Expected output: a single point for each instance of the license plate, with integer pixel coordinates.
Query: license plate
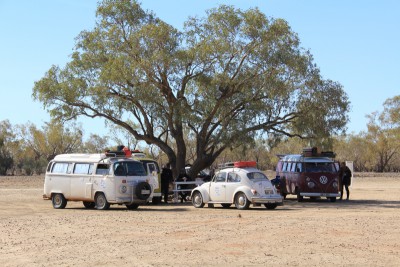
(268, 192)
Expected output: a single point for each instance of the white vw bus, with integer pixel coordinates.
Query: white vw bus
(97, 180)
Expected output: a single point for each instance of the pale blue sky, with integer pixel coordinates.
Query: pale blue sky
(354, 42)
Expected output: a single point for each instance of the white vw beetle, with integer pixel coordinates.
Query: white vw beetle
(240, 184)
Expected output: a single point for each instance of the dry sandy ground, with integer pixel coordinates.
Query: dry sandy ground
(364, 231)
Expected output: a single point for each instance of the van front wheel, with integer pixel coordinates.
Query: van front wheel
(299, 197)
(59, 201)
(132, 206)
(89, 205)
(101, 202)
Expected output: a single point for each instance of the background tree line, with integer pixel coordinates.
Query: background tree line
(26, 149)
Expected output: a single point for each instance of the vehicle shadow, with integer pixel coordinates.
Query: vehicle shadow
(165, 207)
(350, 204)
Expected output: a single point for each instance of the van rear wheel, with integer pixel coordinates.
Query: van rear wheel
(101, 202)
(89, 205)
(58, 200)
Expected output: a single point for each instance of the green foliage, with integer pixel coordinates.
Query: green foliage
(6, 139)
(222, 80)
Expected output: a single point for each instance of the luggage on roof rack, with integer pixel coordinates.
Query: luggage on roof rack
(244, 164)
(315, 152)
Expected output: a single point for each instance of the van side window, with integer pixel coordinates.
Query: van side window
(299, 167)
(83, 168)
(289, 166)
(284, 166)
(119, 169)
(102, 169)
(60, 167)
(294, 164)
(152, 168)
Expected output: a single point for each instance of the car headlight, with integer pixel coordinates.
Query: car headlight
(123, 189)
(310, 184)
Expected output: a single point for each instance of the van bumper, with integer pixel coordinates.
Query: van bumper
(319, 194)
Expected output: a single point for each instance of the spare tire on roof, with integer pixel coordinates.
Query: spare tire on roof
(143, 190)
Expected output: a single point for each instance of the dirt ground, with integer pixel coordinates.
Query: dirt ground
(364, 231)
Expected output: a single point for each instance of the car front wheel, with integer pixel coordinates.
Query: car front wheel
(197, 200)
(241, 201)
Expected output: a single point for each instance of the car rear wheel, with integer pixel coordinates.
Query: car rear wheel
(132, 206)
(197, 200)
(241, 201)
(270, 206)
(58, 200)
(101, 202)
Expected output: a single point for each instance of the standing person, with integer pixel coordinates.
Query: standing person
(166, 178)
(183, 177)
(345, 180)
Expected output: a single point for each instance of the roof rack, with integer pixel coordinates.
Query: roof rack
(315, 152)
(238, 164)
(115, 154)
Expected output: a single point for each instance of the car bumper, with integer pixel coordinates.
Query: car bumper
(264, 200)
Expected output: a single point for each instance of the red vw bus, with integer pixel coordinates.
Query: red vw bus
(310, 174)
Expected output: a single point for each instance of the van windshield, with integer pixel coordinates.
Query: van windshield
(129, 168)
(319, 167)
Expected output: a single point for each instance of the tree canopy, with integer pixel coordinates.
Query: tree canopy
(219, 82)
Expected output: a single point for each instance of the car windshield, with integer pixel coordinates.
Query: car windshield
(256, 176)
(319, 167)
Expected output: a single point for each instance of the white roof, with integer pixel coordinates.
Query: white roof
(88, 158)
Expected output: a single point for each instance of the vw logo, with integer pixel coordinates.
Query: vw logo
(323, 179)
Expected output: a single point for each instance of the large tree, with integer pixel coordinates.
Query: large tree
(219, 81)
(384, 135)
